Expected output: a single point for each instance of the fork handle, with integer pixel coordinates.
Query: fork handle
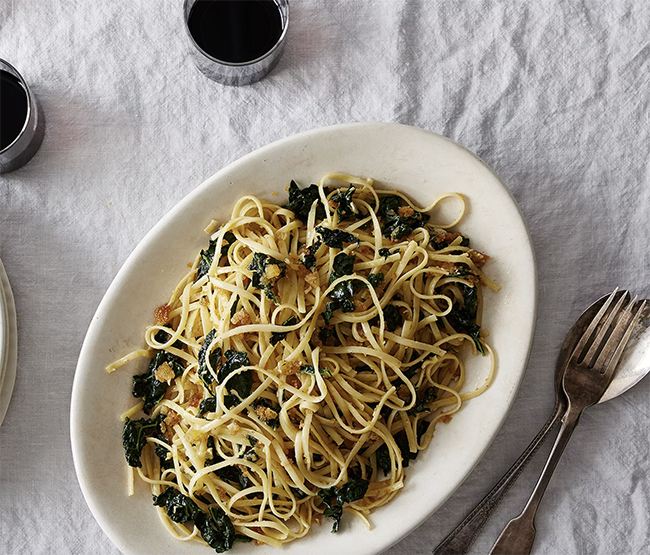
(463, 536)
(519, 534)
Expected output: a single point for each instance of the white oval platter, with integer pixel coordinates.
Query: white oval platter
(417, 162)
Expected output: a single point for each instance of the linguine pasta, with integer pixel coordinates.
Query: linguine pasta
(303, 361)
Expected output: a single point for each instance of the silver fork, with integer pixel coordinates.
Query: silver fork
(588, 373)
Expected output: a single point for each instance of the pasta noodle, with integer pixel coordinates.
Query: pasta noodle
(303, 361)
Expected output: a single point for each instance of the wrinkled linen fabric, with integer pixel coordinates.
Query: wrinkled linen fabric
(554, 95)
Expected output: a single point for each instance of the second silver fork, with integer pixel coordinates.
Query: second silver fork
(589, 372)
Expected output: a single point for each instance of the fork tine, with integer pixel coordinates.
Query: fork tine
(611, 322)
(620, 336)
(595, 324)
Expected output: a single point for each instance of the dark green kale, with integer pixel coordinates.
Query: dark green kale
(424, 402)
(398, 221)
(215, 526)
(214, 358)
(308, 259)
(262, 277)
(382, 456)
(231, 473)
(278, 336)
(207, 255)
(384, 252)
(392, 318)
(463, 319)
(309, 369)
(330, 307)
(334, 499)
(335, 237)
(344, 207)
(134, 437)
(464, 272)
(343, 265)
(298, 493)
(148, 387)
(374, 279)
(242, 382)
(233, 308)
(327, 332)
(251, 455)
(301, 201)
(258, 406)
(208, 405)
(441, 239)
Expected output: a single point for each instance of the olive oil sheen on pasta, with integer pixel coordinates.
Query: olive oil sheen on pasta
(235, 31)
(13, 108)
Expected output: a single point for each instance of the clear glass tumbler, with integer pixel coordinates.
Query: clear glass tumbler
(28, 139)
(240, 72)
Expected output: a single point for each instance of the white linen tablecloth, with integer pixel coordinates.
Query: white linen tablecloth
(554, 95)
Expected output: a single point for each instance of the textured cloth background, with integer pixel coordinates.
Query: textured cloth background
(552, 94)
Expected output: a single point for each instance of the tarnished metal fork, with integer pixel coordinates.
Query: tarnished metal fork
(588, 373)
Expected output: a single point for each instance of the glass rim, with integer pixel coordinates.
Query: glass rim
(13, 71)
(285, 26)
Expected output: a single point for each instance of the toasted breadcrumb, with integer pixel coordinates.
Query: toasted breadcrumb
(478, 257)
(405, 211)
(161, 314)
(312, 279)
(403, 392)
(445, 419)
(164, 373)
(294, 381)
(272, 272)
(288, 367)
(241, 318)
(195, 399)
(266, 413)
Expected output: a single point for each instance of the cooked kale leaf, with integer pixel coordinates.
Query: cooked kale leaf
(208, 405)
(207, 255)
(334, 499)
(441, 240)
(343, 265)
(423, 404)
(384, 252)
(398, 221)
(335, 237)
(278, 336)
(344, 207)
(231, 473)
(342, 293)
(463, 319)
(215, 527)
(242, 382)
(134, 437)
(308, 259)
(309, 369)
(392, 318)
(264, 277)
(214, 358)
(374, 279)
(382, 457)
(148, 387)
(301, 201)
